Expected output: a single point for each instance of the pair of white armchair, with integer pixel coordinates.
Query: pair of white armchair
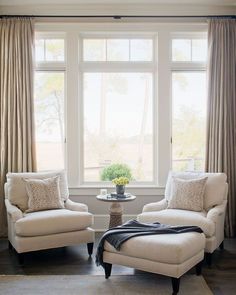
(45, 229)
(210, 220)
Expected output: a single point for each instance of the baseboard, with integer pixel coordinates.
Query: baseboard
(101, 222)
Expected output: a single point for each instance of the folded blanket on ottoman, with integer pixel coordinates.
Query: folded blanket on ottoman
(116, 236)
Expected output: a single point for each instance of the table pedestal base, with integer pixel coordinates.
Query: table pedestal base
(116, 211)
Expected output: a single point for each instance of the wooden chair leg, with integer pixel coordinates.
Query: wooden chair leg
(107, 267)
(21, 258)
(10, 245)
(222, 246)
(199, 268)
(90, 248)
(209, 259)
(175, 285)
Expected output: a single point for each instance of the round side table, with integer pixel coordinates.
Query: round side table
(116, 208)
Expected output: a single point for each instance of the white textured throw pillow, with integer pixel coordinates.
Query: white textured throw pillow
(43, 194)
(17, 190)
(187, 194)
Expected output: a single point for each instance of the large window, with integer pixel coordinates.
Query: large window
(49, 103)
(188, 103)
(130, 94)
(118, 107)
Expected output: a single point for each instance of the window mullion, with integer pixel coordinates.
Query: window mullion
(164, 106)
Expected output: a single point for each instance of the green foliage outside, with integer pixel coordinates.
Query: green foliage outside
(114, 171)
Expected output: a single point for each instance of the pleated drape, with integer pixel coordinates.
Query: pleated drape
(221, 122)
(17, 141)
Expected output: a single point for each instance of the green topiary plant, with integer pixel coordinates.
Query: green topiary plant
(116, 170)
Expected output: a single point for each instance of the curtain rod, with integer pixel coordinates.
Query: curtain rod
(121, 16)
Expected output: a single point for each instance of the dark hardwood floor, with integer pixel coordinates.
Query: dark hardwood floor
(74, 260)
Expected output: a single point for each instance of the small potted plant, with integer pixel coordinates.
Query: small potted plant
(120, 183)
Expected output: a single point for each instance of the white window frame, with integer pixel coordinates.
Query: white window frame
(119, 67)
(162, 102)
(53, 67)
(185, 66)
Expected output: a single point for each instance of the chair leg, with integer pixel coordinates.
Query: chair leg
(222, 246)
(90, 248)
(107, 267)
(175, 285)
(199, 268)
(21, 258)
(10, 245)
(209, 259)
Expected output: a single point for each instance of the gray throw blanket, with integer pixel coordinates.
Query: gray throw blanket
(116, 236)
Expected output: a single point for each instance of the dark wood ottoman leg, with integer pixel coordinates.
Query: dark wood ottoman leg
(90, 248)
(175, 285)
(107, 267)
(222, 246)
(199, 268)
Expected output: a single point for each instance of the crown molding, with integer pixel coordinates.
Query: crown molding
(118, 9)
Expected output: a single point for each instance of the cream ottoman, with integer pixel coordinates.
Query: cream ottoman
(167, 254)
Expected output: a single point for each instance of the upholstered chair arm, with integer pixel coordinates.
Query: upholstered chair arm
(157, 206)
(73, 206)
(214, 213)
(13, 211)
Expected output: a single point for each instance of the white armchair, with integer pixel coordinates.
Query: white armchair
(210, 220)
(45, 229)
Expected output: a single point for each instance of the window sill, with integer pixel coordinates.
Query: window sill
(144, 190)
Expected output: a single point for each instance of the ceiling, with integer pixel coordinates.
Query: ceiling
(70, 2)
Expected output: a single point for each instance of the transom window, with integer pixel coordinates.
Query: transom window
(189, 50)
(114, 49)
(49, 49)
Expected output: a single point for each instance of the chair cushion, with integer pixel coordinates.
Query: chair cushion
(17, 194)
(166, 248)
(180, 217)
(214, 193)
(50, 222)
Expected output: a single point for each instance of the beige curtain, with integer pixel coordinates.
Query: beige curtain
(221, 124)
(16, 102)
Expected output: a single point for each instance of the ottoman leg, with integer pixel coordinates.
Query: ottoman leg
(90, 248)
(222, 246)
(199, 268)
(175, 285)
(107, 267)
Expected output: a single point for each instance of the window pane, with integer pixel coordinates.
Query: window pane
(199, 49)
(118, 123)
(181, 50)
(117, 50)
(54, 49)
(39, 49)
(188, 120)
(141, 49)
(94, 49)
(49, 118)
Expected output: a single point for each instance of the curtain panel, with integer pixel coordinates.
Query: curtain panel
(221, 121)
(17, 142)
